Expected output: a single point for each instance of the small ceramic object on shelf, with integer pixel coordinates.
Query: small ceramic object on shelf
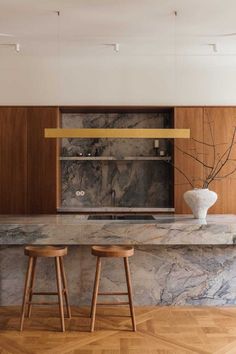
(156, 146)
(162, 153)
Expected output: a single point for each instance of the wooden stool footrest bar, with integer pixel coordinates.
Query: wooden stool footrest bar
(47, 293)
(42, 303)
(114, 293)
(113, 303)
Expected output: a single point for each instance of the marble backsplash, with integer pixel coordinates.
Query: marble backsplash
(141, 184)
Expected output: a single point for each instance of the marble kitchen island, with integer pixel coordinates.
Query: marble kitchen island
(178, 260)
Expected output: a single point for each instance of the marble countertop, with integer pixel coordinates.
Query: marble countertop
(73, 219)
(75, 229)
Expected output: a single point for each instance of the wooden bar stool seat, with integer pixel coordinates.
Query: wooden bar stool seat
(45, 251)
(112, 252)
(33, 252)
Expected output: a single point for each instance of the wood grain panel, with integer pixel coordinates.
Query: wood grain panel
(223, 121)
(192, 118)
(42, 160)
(13, 160)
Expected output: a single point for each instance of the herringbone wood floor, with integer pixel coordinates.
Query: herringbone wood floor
(161, 330)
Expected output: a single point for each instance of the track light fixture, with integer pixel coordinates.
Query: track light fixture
(214, 47)
(116, 46)
(15, 45)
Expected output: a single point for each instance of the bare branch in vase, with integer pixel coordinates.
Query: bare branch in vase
(219, 161)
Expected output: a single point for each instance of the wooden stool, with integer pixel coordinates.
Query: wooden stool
(113, 252)
(46, 252)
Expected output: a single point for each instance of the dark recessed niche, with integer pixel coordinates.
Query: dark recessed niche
(116, 173)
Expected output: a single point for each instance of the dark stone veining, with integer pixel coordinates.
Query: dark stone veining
(141, 184)
(161, 275)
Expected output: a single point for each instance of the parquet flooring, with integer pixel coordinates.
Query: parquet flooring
(160, 330)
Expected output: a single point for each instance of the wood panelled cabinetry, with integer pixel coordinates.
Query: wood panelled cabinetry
(191, 118)
(42, 160)
(13, 160)
(223, 121)
(27, 160)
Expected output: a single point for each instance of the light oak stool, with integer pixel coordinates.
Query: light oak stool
(45, 252)
(112, 252)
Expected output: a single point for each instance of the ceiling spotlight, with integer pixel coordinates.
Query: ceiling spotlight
(214, 47)
(117, 47)
(15, 45)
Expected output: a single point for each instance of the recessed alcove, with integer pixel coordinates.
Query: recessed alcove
(120, 174)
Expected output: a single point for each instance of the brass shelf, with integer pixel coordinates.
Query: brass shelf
(124, 133)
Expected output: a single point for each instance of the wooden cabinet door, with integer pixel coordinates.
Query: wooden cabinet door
(13, 160)
(42, 160)
(187, 117)
(223, 122)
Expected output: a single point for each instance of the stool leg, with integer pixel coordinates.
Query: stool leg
(59, 290)
(95, 293)
(94, 288)
(31, 286)
(26, 292)
(65, 286)
(129, 287)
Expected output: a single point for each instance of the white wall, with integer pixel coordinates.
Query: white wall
(117, 80)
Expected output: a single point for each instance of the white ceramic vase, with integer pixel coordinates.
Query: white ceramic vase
(200, 200)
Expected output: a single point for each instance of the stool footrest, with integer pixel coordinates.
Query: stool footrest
(114, 293)
(47, 293)
(112, 303)
(42, 303)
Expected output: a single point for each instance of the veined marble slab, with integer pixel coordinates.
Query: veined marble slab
(163, 275)
(137, 183)
(78, 230)
(178, 260)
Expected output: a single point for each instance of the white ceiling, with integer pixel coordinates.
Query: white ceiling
(142, 27)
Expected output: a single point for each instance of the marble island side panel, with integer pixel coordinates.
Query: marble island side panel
(161, 275)
(177, 261)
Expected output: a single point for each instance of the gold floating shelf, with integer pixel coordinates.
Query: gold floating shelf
(117, 133)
